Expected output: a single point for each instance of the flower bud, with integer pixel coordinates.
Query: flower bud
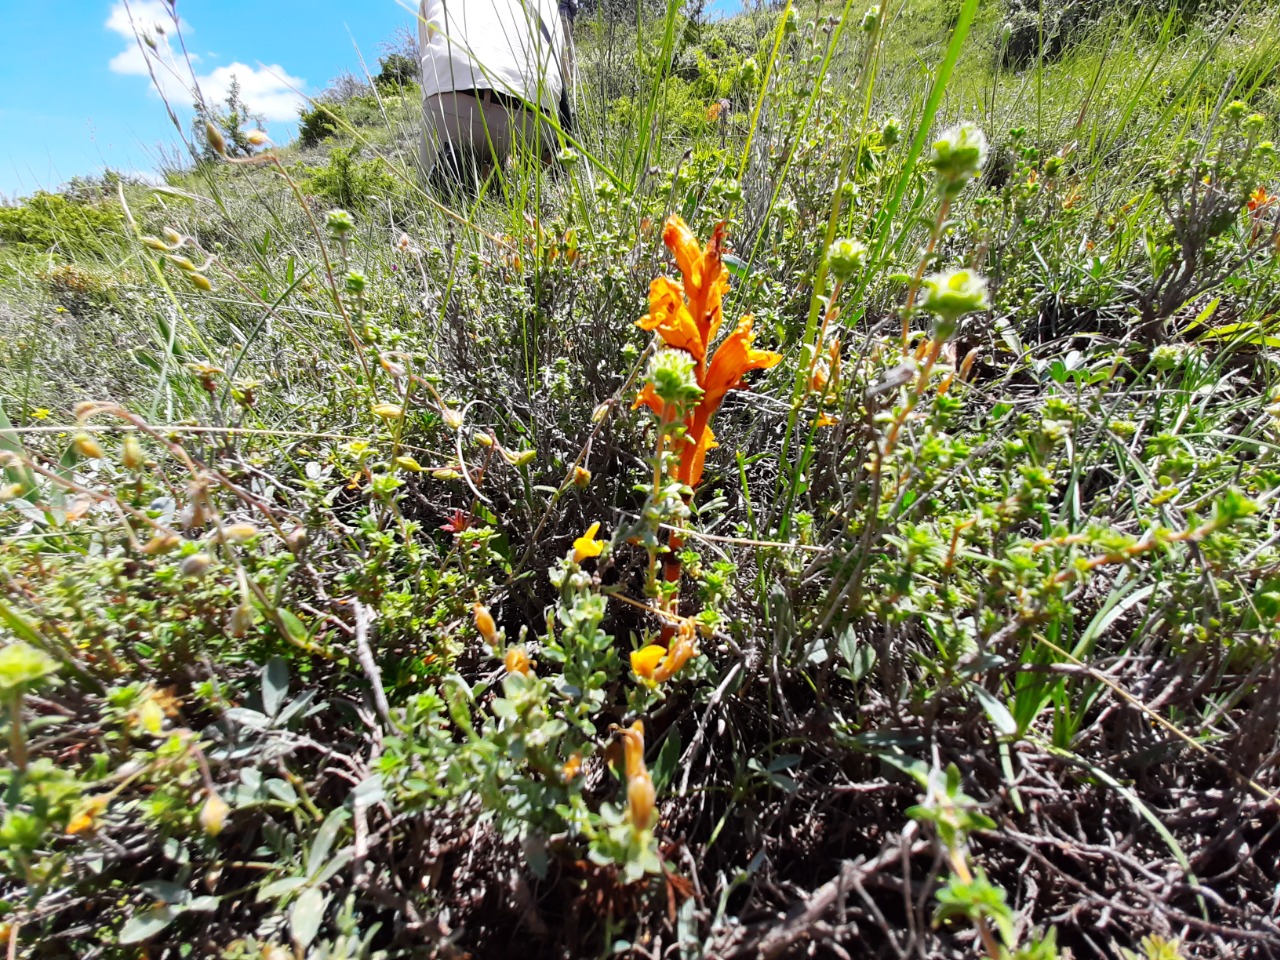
(213, 815)
(131, 454)
(201, 282)
(408, 464)
(672, 376)
(87, 447)
(339, 223)
(155, 243)
(452, 418)
(388, 411)
(214, 138)
(952, 294)
(239, 532)
(356, 282)
(871, 19)
(196, 565)
(482, 439)
(257, 138)
(600, 412)
(296, 539)
(891, 132)
(846, 259)
(161, 543)
(958, 156)
(241, 621)
(172, 237)
(641, 798)
(484, 623)
(520, 458)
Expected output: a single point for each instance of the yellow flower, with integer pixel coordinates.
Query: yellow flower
(42, 413)
(517, 661)
(645, 660)
(572, 767)
(658, 664)
(87, 815)
(587, 546)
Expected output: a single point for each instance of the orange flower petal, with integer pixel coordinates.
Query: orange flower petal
(648, 397)
(686, 249)
(733, 358)
(695, 456)
(669, 316)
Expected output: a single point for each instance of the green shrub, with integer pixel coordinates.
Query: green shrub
(54, 223)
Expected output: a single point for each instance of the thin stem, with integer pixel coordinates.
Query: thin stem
(17, 741)
(935, 234)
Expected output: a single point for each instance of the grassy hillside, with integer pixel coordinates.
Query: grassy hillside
(831, 511)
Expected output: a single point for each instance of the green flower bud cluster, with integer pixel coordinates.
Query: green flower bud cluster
(952, 294)
(339, 223)
(891, 132)
(846, 259)
(674, 381)
(958, 157)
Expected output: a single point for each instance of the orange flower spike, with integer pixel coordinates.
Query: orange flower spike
(705, 278)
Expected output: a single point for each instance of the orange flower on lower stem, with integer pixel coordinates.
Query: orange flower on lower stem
(687, 316)
(641, 796)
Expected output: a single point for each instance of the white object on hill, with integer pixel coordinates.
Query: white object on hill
(513, 47)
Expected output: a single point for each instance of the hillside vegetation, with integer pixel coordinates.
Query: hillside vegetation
(830, 511)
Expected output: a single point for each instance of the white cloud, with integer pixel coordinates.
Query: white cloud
(268, 90)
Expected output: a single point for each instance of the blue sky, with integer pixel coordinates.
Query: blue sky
(75, 96)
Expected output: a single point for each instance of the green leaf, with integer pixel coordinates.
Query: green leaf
(306, 915)
(145, 925)
(275, 684)
(294, 627)
(325, 837)
(996, 712)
